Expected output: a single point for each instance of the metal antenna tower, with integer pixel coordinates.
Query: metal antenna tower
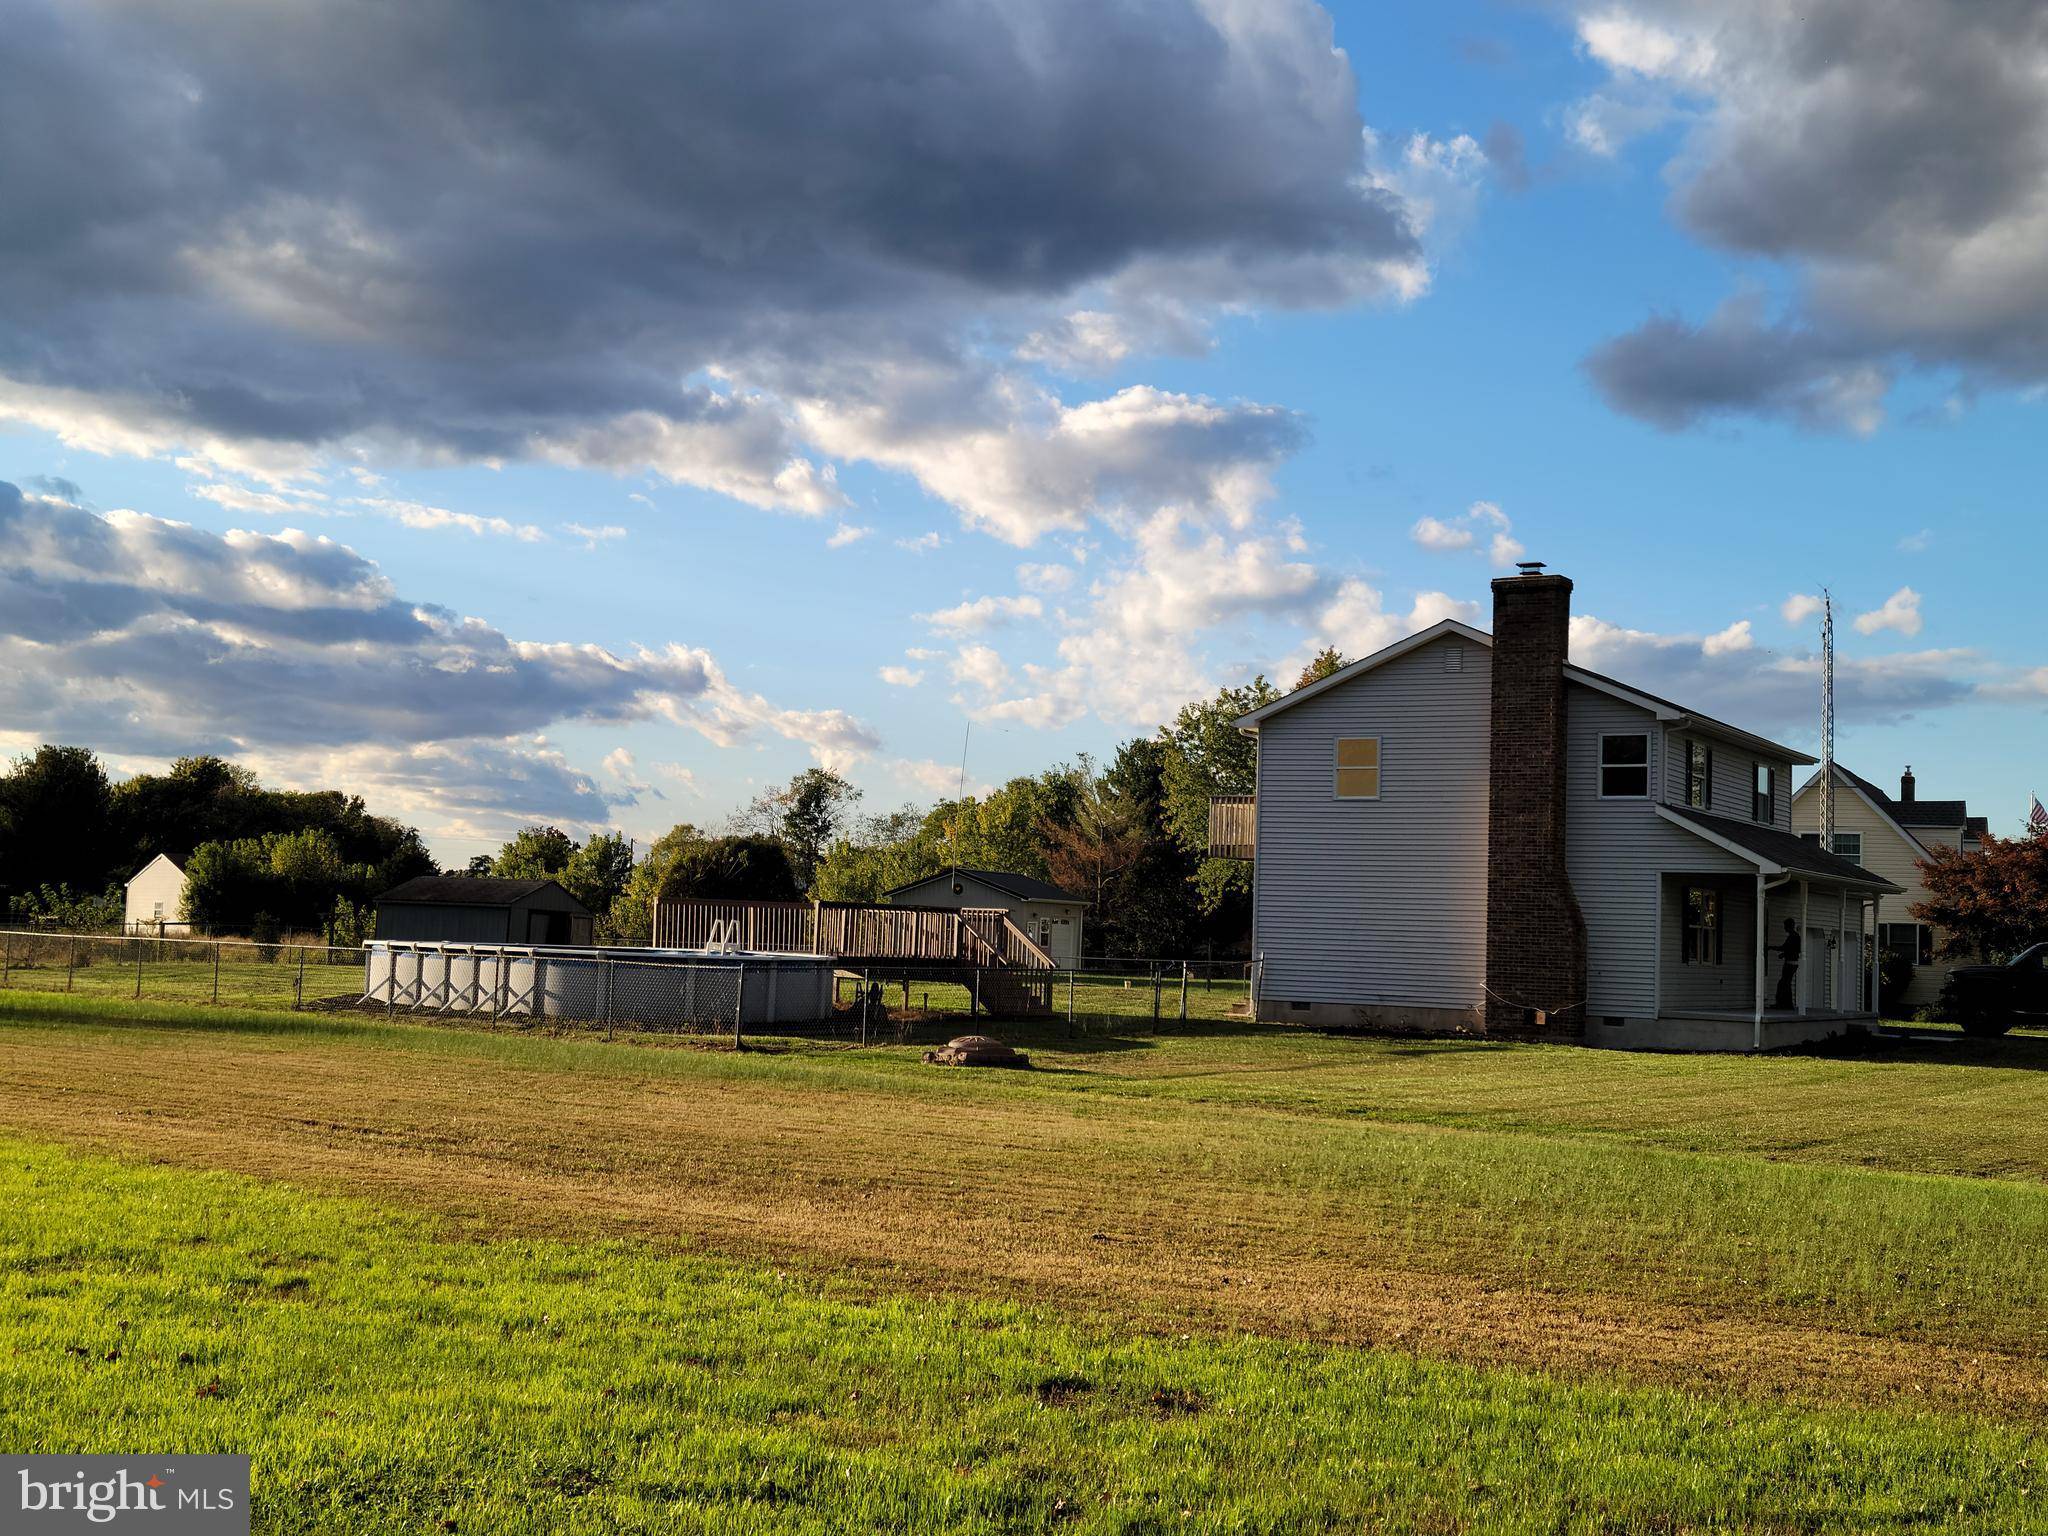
(1827, 720)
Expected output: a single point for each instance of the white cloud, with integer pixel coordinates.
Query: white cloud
(1916, 543)
(1726, 642)
(982, 613)
(415, 514)
(1045, 578)
(979, 666)
(923, 543)
(1799, 607)
(845, 534)
(593, 536)
(1481, 519)
(900, 677)
(1900, 611)
(933, 778)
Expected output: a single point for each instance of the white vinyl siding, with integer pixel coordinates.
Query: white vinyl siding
(1734, 779)
(1378, 902)
(1614, 851)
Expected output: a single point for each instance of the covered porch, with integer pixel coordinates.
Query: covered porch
(1723, 979)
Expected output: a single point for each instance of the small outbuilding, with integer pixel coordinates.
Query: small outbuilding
(1048, 915)
(462, 909)
(156, 899)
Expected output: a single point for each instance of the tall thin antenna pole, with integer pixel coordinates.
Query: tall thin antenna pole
(965, 732)
(1827, 720)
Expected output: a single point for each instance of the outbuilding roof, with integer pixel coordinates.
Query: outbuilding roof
(466, 891)
(1023, 887)
(1772, 851)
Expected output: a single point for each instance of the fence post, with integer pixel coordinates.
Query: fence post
(71, 965)
(739, 1008)
(216, 970)
(610, 973)
(1183, 992)
(1070, 1002)
(1155, 994)
(974, 997)
(6, 957)
(863, 1006)
(138, 967)
(299, 986)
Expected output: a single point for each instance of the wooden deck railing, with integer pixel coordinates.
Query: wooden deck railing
(974, 936)
(1233, 826)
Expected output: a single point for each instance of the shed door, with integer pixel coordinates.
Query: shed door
(547, 928)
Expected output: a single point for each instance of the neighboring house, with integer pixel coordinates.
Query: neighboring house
(1049, 916)
(1892, 836)
(462, 909)
(1466, 832)
(156, 899)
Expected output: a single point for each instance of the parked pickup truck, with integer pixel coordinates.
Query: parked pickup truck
(1990, 999)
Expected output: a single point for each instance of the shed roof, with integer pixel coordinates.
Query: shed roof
(467, 891)
(1774, 851)
(1023, 887)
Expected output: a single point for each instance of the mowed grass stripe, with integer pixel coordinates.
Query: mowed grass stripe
(1544, 1249)
(385, 1379)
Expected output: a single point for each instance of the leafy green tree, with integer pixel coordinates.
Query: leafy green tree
(742, 868)
(58, 906)
(807, 814)
(1207, 755)
(535, 853)
(632, 915)
(54, 808)
(1329, 659)
(598, 872)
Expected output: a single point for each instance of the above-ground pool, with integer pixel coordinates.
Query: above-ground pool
(612, 985)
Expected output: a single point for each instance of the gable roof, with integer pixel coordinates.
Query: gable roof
(467, 891)
(1023, 887)
(1663, 709)
(1772, 851)
(1904, 814)
(162, 858)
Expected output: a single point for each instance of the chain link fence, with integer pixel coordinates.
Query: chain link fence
(728, 996)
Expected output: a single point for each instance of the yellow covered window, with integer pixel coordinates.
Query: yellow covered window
(1358, 768)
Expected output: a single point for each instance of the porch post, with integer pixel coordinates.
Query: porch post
(1842, 943)
(1876, 914)
(1759, 1020)
(1805, 977)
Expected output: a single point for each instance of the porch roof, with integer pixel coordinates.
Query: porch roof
(1775, 852)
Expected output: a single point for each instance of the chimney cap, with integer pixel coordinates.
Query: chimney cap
(1529, 567)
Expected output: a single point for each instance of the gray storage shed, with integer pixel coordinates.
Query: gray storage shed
(461, 909)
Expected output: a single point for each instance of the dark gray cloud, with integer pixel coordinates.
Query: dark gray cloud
(1508, 154)
(482, 229)
(139, 635)
(1893, 152)
(1676, 374)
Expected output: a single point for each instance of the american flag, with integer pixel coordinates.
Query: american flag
(2037, 818)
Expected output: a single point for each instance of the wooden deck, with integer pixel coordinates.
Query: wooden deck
(1233, 826)
(855, 933)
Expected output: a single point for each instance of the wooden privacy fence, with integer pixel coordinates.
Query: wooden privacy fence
(969, 936)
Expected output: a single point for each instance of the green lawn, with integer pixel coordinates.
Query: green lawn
(387, 1379)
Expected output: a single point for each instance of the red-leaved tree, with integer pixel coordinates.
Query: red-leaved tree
(1991, 901)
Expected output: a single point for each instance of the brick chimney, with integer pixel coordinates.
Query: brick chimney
(1906, 786)
(1535, 933)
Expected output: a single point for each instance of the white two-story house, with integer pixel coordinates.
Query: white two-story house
(1465, 832)
(1893, 836)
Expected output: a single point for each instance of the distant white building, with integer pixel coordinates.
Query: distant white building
(1049, 916)
(156, 899)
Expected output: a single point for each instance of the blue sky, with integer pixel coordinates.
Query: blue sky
(678, 481)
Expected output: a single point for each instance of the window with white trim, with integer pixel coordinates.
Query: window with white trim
(1914, 942)
(1764, 804)
(1357, 768)
(1699, 775)
(1699, 925)
(1849, 845)
(1625, 766)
